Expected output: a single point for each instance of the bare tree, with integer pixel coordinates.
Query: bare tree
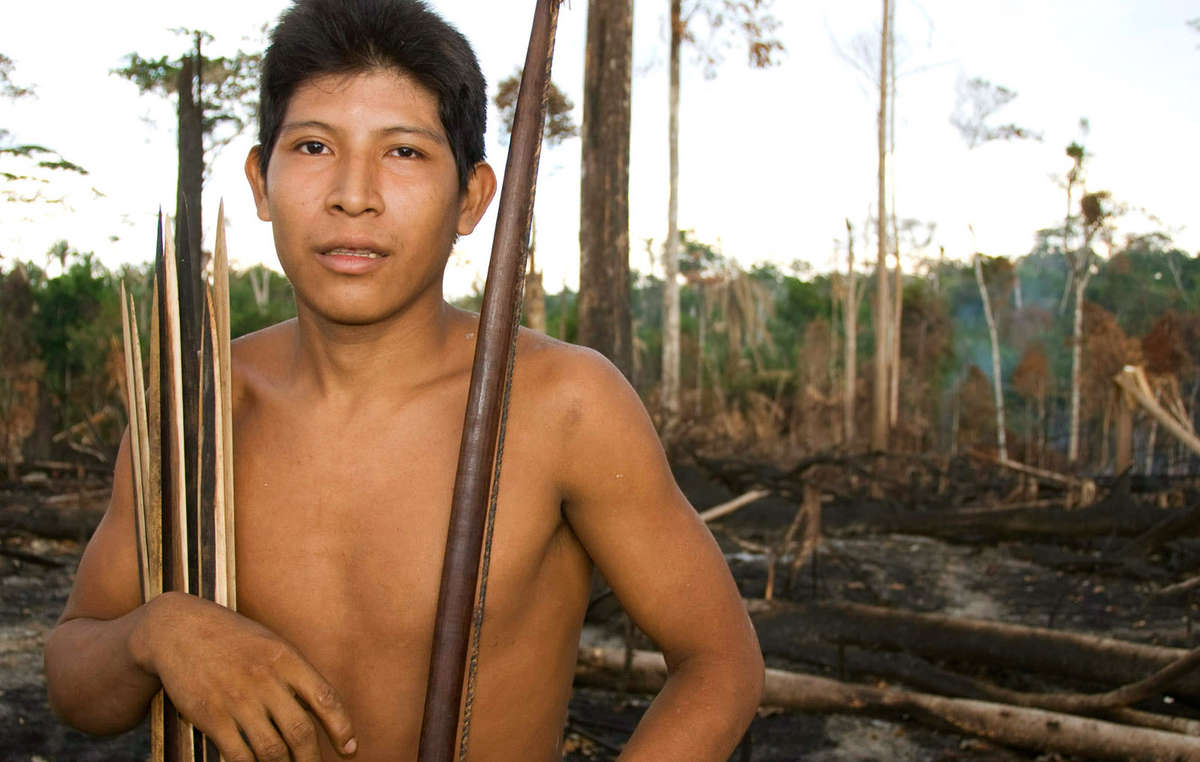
(879, 428)
(978, 100)
(851, 296)
(605, 318)
(559, 127)
(214, 97)
(997, 372)
(753, 20)
(1081, 265)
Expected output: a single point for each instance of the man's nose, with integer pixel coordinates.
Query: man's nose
(355, 190)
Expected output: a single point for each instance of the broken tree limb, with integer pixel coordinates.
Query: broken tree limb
(808, 515)
(1022, 727)
(1178, 588)
(1090, 658)
(1084, 489)
(1132, 379)
(728, 507)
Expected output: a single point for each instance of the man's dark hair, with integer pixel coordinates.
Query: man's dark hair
(318, 37)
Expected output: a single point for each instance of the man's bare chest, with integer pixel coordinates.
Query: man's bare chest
(352, 520)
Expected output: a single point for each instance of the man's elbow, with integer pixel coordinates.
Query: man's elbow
(736, 681)
(751, 682)
(100, 712)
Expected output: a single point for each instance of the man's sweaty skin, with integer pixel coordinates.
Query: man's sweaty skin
(347, 425)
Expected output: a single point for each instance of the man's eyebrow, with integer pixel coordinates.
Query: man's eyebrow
(402, 129)
(410, 130)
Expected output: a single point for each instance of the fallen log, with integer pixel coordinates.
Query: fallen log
(1179, 523)
(1115, 514)
(916, 673)
(1090, 659)
(1033, 729)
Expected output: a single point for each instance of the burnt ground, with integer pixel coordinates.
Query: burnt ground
(1064, 582)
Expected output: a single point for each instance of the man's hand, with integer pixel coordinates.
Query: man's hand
(247, 689)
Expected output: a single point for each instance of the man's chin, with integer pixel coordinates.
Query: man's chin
(354, 313)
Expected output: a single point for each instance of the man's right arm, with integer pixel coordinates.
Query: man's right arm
(245, 687)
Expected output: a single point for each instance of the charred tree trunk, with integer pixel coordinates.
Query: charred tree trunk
(670, 337)
(190, 181)
(605, 317)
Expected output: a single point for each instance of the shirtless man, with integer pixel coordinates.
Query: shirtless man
(347, 425)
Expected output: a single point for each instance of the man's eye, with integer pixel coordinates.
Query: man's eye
(312, 147)
(406, 152)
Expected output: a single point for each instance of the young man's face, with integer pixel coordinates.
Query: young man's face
(363, 196)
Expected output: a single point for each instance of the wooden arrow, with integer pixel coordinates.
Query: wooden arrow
(182, 456)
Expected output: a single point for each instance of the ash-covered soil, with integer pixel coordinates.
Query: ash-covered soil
(1046, 582)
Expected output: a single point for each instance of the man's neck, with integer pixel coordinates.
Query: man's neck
(394, 358)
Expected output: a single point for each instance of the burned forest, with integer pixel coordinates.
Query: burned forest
(957, 483)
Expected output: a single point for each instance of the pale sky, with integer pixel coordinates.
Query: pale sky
(771, 161)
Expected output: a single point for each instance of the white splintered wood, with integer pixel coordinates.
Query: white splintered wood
(136, 437)
(222, 355)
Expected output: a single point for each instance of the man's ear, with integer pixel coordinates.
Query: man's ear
(480, 189)
(258, 183)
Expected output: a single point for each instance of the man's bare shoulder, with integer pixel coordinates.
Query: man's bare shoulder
(570, 383)
(262, 357)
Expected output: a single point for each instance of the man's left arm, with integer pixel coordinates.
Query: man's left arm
(664, 566)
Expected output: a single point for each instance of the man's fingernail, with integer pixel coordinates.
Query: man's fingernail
(351, 746)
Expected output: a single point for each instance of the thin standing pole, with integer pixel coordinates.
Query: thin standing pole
(493, 350)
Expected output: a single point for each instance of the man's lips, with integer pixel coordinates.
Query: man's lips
(352, 257)
(346, 251)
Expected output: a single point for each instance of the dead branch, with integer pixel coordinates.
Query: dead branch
(728, 507)
(1082, 489)
(1132, 379)
(1016, 726)
(1178, 588)
(807, 515)
(79, 498)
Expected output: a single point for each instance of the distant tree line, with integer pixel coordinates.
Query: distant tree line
(62, 367)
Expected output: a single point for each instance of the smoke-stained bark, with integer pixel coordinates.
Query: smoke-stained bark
(190, 179)
(605, 319)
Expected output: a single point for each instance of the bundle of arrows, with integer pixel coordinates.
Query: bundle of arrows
(180, 436)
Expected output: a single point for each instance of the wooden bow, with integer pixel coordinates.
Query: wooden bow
(490, 374)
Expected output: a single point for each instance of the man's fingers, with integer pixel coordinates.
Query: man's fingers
(324, 702)
(229, 740)
(265, 740)
(295, 725)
